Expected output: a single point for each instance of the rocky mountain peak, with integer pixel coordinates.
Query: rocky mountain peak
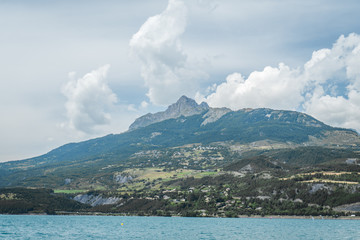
(183, 107)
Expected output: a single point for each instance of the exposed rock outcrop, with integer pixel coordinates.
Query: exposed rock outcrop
(214, 114)
(122, 179)
(183, 107)
(95, 200)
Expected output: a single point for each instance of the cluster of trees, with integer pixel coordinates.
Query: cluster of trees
(26, 200)
(197, 204)
(226, 196)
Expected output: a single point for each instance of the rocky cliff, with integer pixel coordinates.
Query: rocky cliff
(183, 107)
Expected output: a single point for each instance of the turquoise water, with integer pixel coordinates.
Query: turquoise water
(110, 227)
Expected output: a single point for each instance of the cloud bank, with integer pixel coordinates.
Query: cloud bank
(89, 100)
(164, 64)
(327, 86)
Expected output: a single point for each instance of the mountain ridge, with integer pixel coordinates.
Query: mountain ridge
(183, 107)
(243, 130)
(194, 160)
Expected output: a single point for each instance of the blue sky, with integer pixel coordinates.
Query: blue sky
(74, 70)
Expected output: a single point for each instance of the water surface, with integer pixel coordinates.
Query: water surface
(118, 227)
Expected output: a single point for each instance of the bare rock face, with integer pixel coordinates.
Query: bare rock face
(122, 179)
(214, 114)
(95, 200)
(183, 107)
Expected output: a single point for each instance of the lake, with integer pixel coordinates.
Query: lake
(119, 227)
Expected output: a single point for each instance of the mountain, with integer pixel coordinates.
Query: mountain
(183, 107)
(194, 160)
(159, 138)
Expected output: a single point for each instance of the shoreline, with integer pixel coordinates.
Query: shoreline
(239, 216)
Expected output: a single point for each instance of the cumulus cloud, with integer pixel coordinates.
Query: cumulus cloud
(269, 87)
(334, 74)
(165, 66)
(89, 100)
(327, 86)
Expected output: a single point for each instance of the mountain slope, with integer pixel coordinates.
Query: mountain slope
(189, 123)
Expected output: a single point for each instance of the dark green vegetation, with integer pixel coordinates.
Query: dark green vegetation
(230, 196)
(23, 200)
(216, 163)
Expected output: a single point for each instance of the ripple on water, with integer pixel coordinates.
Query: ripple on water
(110, 227)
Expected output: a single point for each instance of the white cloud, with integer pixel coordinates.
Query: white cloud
(89, 100)
(338, 68)
(337, 111)
(327, 86)
(164, 64)
(273, 87)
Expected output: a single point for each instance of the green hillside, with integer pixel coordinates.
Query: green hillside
(255, 152)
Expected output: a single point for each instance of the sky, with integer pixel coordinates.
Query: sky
(76, 70)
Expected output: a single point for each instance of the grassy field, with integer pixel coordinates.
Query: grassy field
(326, 173)
(8, 196)
(142, 178)
(316, 180)
(322, 180)
(314, 173)
(151, 174)
(156, 176)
